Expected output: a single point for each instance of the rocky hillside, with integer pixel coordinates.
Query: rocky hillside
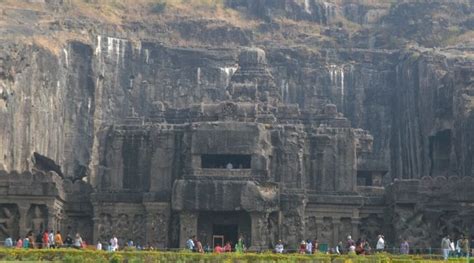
(401, 69)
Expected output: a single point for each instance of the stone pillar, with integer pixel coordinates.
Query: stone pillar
(355, 227)
(259, 230)
(187, 226)
(22, 224)
(51, 223)
(95, 228)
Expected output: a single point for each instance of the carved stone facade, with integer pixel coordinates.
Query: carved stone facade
(251, 166)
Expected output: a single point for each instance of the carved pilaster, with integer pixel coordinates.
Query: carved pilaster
(23, 211)
(259, 232)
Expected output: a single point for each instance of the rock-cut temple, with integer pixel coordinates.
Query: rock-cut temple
(250, 165)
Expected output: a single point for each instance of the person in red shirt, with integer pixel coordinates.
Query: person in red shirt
(218, 249)
(228, 247)
(302, 247)
(46, 239)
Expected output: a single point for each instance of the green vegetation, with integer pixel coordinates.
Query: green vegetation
(72, 255)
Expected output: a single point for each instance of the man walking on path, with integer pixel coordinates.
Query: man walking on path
(464, 246)
(380, 244)
(445, 246)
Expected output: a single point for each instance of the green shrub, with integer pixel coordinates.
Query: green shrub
(92, 256)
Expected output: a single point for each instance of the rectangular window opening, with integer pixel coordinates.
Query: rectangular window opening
(226, 161)
(364, 178)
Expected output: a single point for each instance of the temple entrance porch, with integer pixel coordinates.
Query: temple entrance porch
(212, 226)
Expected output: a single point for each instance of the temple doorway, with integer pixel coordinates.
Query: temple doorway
(220, 227)
(228, 232)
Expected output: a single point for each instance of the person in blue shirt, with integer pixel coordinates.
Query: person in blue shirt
(9, 242)
(190, 243)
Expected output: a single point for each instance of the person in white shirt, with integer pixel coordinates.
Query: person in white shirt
(114, 243)
(51, 239)
(99, 246)
(279, 247)
(309, 247)
(380, 243)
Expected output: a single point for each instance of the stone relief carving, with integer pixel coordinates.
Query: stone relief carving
(412, 225)
(138, 229)
(311, 226)
(37, 218)
(371, 227)
(104, 227)
(449, 223)
(326, 229)
(290, 228)
(122, 227)
(273, 234)
(8, 221)
(262, 229)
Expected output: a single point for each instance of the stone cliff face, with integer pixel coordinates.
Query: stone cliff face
(389, 68)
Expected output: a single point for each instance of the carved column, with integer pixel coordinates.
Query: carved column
(259, 232)
(51, 223)
(187, 226)
(22, 225)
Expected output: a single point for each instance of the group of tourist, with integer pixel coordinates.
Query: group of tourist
(45, 239)
(306, 247)
(359, 247)
(362, 246)
(51, 239)
(195, 245)
(451, 249)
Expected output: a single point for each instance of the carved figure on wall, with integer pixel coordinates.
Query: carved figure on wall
(104, 227)
(138, 229)
(7, 222)
(412, 225)
(262, 229)
(311, 227)
(449, 223)
(122, 227)
(290, 229)
(370, 227)
(159, 229)
(273, 229)
(326, 229)
(38, 223)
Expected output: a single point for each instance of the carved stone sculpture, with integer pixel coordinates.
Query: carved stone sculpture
(122, 227)
(7, 222)
(38, 222)
(105, 227)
